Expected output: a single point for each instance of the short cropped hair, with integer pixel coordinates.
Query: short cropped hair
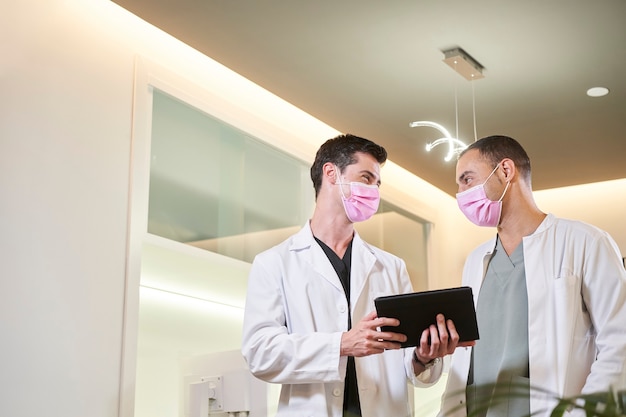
(340, 151)
(495, 148)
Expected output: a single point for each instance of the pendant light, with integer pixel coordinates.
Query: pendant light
(462, 63)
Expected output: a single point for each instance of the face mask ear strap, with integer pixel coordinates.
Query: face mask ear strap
(504, 192)
(337, 174)
(339, 182)
(492, 172)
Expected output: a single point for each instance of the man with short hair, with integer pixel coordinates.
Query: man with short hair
(550, 293)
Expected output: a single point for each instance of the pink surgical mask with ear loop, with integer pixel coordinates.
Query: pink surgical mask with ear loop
(478, 208)
(362, 202)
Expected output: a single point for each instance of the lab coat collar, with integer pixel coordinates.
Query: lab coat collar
(363, 259)
(543, 226)
(490, 246)
(304, 239)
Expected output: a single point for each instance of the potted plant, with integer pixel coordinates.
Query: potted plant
(602, 404)
(610, 403)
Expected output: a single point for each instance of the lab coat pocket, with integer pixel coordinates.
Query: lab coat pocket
(565, 296)
(561, 308)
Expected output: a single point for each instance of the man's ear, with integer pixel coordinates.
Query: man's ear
(508, 169)
(329, 170)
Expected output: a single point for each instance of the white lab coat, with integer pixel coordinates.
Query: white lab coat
(576, 287)
(296, 312)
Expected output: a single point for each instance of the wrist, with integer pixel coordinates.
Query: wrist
(425, 365)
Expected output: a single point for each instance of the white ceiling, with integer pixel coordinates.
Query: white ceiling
(371, 67)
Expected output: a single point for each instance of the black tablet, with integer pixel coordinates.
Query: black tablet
(418, 310)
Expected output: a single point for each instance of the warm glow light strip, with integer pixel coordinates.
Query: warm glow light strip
(187, 301)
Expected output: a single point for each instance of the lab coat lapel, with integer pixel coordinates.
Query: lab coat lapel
(322, 266)
(316, 258)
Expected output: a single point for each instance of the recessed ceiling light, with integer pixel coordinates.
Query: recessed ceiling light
(597, 92)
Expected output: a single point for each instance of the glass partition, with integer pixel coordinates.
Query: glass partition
(215, 187)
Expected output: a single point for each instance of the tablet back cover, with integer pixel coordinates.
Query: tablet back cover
(417, 311)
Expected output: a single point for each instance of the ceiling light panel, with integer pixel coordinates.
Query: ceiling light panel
(463, 63)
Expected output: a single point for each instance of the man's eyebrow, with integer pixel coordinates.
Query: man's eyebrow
(371, 174)
(462, 176)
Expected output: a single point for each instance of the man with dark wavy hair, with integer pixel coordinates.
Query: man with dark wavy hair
(310, 323)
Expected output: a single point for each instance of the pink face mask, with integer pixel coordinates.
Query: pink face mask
(478, 208)
(363, 201)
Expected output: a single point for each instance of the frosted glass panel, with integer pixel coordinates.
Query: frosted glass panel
(212, 185)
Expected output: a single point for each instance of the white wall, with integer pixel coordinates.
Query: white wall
(65, 113)
(66, 79)
(602, 204)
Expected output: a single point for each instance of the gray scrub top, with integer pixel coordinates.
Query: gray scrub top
(499, 368)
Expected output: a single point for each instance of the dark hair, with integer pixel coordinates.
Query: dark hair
(340, 151)
(495, 148)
